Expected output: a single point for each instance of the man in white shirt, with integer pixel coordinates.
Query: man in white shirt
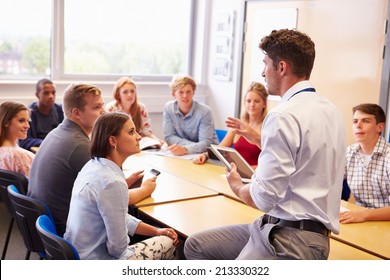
(300, 169)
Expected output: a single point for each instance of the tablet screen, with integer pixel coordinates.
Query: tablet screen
(228, 155)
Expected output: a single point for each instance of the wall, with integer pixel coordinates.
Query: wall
(222, 94)
(349, 37)
(349, 52)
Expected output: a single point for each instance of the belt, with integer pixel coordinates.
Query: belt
(308, 225)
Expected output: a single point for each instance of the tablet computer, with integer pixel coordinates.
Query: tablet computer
(227, 155)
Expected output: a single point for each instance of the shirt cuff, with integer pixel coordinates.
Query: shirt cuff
(132, 224)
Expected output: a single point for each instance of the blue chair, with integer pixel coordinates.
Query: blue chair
(26, 211)
(20, 182)
(221, 133)
(346, 193)
(56, 247)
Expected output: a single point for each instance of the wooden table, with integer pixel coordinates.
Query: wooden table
(372, 237)
(190, 216)
(169, 187)
(208, 175)
(342, 251)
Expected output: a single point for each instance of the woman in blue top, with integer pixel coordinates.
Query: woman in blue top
(98, 224)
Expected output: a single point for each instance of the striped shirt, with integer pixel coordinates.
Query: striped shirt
(370, 183)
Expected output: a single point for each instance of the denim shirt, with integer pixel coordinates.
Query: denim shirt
(98, 223)
(194, 131)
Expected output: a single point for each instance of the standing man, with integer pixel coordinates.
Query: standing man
(367, 166)
(300, 169)
(45, 114)
(188, 124)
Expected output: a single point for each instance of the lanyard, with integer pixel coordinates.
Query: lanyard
(302, 90)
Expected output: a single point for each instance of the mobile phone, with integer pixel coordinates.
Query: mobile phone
(155, 172)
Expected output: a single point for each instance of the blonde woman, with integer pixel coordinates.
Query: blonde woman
(251, 120)
(125, 95)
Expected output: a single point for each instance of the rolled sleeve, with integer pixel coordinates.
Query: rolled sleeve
(132, 224)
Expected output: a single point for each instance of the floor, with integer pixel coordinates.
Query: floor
(16, 249)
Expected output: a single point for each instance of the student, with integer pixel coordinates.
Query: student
(255, 112)
(14, 118)
(367, 167)
(45, 114)
(125, 95)
(297, 182)
(188, 124)
(66, 149)
(99, 196)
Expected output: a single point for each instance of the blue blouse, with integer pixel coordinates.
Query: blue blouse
(98, 223)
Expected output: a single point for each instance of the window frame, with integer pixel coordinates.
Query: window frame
(58, 51)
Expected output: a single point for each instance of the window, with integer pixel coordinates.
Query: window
(25, 38)
(102, 40)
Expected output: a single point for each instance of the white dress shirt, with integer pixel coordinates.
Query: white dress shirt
(301, 166)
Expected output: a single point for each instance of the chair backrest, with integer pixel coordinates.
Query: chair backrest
(221, 133)
(11, 178)
(26, 212)
(56, 247)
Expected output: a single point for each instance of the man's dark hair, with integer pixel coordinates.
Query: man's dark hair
(291, 46)
(371, 109)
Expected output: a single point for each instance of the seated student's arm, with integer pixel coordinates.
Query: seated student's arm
(177, 150)
(134, 177)
(241, 128)
(149, 230)
(358, 216)
(170, 133)
(228, 140)
(206, 136)
(146, 189)
(201, 158)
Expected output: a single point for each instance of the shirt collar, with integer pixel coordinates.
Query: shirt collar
(178, 112)
(379, 148)
(295, 88)
(112, 165)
